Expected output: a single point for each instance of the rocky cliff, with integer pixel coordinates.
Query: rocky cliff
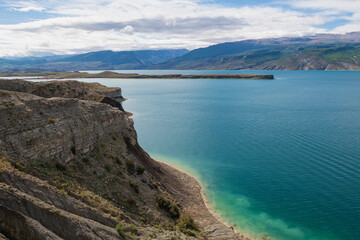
(71, 168)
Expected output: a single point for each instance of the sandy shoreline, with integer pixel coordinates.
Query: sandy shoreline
(197, 204)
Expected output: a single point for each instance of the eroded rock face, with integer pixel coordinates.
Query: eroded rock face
(63, 89)
(56, 128)
(73, 169)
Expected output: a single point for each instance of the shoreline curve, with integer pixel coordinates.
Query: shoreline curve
(209, 218)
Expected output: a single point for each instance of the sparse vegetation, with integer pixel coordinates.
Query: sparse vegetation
(73, 150)
(59, 166)
(130, 166)
(126, 231)
(61, 191)
(187, 225)
(140, 169)
(134, 185)
(52, 120)
(152, 235)
(118, 161)
(131, 202)
(30, 142)
(168, 205)
(107, 167)
(93, 171)
(79, 165)
(120, 229)
(4, 93)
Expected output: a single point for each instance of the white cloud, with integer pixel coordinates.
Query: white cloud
(88, 25)
(334, 9)
(23, 6)
(351, 6)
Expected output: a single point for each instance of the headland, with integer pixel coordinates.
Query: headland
(71, 167)
(109, 74)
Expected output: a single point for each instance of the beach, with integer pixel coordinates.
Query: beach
(193, 200)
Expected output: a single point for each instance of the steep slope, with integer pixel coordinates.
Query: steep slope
(72, 168)
(320, 52)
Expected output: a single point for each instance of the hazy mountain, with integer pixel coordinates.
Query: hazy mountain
(323, 51)
(103, 60)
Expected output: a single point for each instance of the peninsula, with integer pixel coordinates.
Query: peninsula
(109, 74)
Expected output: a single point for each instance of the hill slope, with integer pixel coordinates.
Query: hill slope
(103, 60)
(320, 52)
(71, 168)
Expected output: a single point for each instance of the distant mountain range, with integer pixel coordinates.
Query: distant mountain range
(319, 52)
(103, 60)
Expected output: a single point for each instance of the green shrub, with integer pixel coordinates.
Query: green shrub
(168, 205)
(52, 120)
(107, 167)
(4, 93)
(134, 185)
(30, 142)
(132, 228)
(126, 231)
(131, 202)
(143, 220)
(153, 184)
(153, 235)
(187, 225)
(73, 150)
(118, 161)
(130, 166)
(79, 165)
(120, 229)
(140, 169)
(59, 166)
(61, 191)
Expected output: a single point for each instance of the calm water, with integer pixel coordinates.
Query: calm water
(277, 157)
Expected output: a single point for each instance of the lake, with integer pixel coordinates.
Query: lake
(278, 157)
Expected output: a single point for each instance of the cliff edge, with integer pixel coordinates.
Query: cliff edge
(71, 168)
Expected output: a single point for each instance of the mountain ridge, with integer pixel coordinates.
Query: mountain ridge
(318, 52)
(99, 60)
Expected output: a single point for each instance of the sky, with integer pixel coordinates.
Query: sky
(58, 27)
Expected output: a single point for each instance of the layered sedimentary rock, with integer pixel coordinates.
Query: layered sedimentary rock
(71, 168)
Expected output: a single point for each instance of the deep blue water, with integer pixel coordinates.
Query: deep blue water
(278, 157)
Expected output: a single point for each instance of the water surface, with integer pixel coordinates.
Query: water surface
(278, 157)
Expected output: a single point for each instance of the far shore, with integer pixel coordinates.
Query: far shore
(109, 74)
(199, 205)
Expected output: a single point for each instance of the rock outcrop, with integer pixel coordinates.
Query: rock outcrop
(71, 168)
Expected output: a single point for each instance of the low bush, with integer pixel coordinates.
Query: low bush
(59, 166)
(130, 166)
(187, 225)
(120, 229)
(134, 185)
(52, 120)
(73, 150)
(107, 167)
(168, 205)
(140, 169)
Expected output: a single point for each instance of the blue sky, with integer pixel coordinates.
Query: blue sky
(47, 27)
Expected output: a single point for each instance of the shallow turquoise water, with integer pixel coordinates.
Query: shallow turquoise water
(278, 157)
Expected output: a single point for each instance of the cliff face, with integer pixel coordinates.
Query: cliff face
(72, 169)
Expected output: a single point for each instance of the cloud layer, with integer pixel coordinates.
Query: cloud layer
(76, 26)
